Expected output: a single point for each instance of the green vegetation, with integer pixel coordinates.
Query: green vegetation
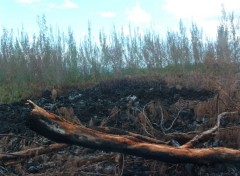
(47, 59)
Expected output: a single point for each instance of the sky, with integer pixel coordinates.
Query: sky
(157, 15)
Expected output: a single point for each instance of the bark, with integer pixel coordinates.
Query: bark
(59, 130)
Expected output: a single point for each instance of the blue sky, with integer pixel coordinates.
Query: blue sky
(159, 15)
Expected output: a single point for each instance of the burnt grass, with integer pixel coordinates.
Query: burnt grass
(115, 103)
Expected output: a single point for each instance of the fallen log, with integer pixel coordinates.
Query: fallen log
(59, 130)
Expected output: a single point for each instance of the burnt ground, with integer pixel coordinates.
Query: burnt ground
(119, 104)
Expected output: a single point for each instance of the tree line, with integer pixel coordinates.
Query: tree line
(52, 57)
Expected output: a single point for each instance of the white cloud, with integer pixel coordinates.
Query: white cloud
(27, 1)
(108, 14)
(198, 10)
(67, 4)
(137, 15)
(190, 8)
(205, 13)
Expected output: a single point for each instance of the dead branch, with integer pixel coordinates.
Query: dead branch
(173, 122)
(31, 152)
(60, 130)
(206, 134)
(132, 136)
(182, 138)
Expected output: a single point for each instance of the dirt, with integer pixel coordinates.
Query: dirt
(115, 104)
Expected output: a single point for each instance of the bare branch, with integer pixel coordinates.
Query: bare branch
(207, 134)
(31, 152)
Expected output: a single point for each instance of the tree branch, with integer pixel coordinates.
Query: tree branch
(57, 129)
(31, 152)
(207, 134)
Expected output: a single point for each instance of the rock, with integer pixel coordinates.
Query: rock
(34, 169)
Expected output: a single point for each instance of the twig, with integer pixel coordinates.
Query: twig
(122, 163)
(147, 119)
(161, 123)
(31, 152)
(91, 173)
(205, 135)
(12, 135)
(3, 169)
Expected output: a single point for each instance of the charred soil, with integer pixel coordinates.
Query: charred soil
(149, 108)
